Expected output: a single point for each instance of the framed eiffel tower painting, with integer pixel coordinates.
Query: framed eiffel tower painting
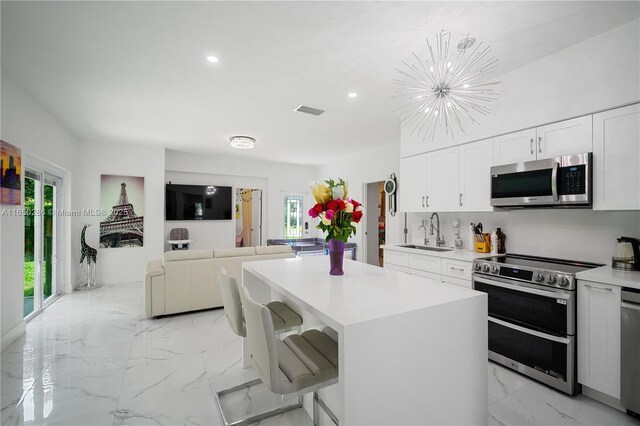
(121, 211)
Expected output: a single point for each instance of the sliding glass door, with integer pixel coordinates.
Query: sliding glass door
(40, 240)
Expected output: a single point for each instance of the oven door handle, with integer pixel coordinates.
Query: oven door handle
(549, 294)
(539, 334)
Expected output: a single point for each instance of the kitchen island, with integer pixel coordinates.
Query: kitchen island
(411, 350)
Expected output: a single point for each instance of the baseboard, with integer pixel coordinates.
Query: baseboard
(10, 336)
(603, 397)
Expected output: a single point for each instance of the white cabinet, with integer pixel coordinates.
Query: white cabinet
(564, 138)
(616, 158)
(567, 137)
(476, 160)
(599, 337)
(443, 187)
(448, 271)
(515, 147)
(412, 184)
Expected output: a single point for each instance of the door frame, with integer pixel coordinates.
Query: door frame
(366, 218)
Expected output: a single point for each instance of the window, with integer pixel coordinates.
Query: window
(293, 224)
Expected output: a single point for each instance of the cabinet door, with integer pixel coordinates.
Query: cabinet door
(443, 180)
(412, 184)
(616, 158)
(599, 337)
(515, 147)
(476, 160)
(566, 137)
(411, 144)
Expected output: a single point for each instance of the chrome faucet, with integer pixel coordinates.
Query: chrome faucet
(426, 240)
(439, 240)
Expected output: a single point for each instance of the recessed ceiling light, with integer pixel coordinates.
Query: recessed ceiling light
(353, 95)
(212, 59)
(242, 142)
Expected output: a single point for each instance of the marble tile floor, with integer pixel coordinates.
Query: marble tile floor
(92, 359)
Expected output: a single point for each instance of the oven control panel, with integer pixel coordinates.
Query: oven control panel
(534, 276)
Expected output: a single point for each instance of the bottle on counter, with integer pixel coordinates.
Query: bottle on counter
(502, 248)
(494, 243)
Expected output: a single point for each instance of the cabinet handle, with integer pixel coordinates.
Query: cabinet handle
(531, 146)
(456, 269)
(607, 290)
(423, 201)
(427, 201)
(460, 199)
(540, 144)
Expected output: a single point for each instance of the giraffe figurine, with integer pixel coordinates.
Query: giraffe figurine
(89, 254)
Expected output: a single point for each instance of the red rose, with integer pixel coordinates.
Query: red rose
(355, 204)
(316, 210)
(333, 205)
(356, 215)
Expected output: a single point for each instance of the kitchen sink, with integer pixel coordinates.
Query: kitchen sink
(427, 248)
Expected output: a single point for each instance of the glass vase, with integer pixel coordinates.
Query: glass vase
(336, 256)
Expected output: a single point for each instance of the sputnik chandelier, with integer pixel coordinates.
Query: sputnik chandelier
(449, 88)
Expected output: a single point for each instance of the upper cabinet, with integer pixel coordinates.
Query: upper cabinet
(476, 160)
(553, 140)
(565, 138)
(443, 180)
(515, 147)
(412, 184)
(616, 158)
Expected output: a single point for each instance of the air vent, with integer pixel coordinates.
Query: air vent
(309, 110)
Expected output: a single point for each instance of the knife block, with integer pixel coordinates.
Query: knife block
(484, 246)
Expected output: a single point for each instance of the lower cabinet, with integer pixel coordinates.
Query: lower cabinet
(599, 337)
(456, 272)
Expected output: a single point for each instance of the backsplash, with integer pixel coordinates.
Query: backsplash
(585, 235)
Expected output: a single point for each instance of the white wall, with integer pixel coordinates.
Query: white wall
(600, 73)
(574, 234)
(30, 127)
(276, 179)
(117, 265)
(370, 166)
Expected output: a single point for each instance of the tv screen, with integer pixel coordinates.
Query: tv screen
(198, 202)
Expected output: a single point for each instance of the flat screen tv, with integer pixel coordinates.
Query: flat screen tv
(198, 202)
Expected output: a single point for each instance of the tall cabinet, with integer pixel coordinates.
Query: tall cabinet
(616, 151)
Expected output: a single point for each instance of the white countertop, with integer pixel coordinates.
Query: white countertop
(608, 275)
(455, 254)
(363, 293)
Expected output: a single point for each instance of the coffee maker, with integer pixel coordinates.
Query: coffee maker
(626, 254)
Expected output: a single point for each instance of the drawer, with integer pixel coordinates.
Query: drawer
(456, 269)
(456, 281)
(396, 258)
(425, 274)
(393, 267)
(425, 263)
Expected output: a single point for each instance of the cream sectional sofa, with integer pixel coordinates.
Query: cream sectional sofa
(187, 280)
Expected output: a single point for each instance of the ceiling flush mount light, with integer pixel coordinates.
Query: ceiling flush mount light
(212, 59)
(448, 87)
(353, 95)
(242, 142)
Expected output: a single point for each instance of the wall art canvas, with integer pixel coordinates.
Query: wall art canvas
(10, 174)
(121, 211)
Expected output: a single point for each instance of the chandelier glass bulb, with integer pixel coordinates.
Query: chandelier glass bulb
(448, 88)
(242, 142)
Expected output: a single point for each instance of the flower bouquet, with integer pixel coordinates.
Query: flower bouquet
(338, 213)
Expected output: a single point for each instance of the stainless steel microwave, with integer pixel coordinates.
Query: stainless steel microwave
(553, 182)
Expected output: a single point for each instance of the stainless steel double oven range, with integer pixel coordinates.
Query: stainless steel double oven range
(532, 315)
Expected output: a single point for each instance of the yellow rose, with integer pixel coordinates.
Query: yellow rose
(326, 221)
(321, 192)
(348, 208)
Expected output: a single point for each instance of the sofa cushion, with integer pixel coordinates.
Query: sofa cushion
(260, 250)
(177, 255)
(154, 267)
(234, 252)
